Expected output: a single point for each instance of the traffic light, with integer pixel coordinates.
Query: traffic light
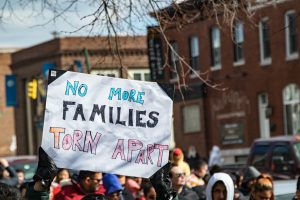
(32, 89)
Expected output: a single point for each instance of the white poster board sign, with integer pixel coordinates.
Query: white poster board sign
(106, 124)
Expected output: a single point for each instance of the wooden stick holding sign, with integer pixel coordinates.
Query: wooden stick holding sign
(106, 124)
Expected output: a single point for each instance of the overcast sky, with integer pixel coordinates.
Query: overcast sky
(25, 29)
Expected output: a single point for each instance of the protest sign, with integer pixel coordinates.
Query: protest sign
(107, 124)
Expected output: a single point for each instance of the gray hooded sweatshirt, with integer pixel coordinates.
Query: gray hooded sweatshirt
(226, 179)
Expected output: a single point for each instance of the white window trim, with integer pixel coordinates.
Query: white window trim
(287, 102)
(174, 80)
(193, 75)
(216, 67)
(105, 72)
(289, 56)
(198, 53)
(131, 73)
(239, 63)
(263, 61)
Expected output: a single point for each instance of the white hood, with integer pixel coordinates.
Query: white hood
(226, 179)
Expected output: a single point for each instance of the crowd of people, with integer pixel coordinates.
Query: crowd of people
(181, 179)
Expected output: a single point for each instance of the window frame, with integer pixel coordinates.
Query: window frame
(240, 45)
(292, 90)
(142, 72)
(183, 119)
(290, 55)
(194, 55)
(215, 66)
(264, 60)
(106, 72)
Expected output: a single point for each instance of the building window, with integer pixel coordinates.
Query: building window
(264, 122)
(194, 53)
(291, 35)
(291, 97)
(109, 72)
(191, 119)
(264, 38)
(238, 39)
(215, 48)
(174, 60)
(139, 74)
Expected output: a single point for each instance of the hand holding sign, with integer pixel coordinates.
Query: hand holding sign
(106, 124)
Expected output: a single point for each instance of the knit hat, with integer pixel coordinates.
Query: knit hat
(177, 152)
(111, 183)
(251, 173)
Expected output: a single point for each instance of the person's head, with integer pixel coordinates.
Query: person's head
(90, 181)
(62, 174)
(177, 177)
(263, 188)
(122, 179)
(201, 168)
(250, 175)
(139, 180)
(9, 192)
(215, 169)
(21, 175)
(112, 186)
(149, 192)
(219, 191)
(220, 187)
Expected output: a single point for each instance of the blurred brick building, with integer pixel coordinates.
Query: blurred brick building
(257, 61)
(7, 123)
(70, 53)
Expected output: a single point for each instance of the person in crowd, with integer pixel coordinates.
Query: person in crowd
(214, 169)
(133, 185)
(200, 191)
(149, 192)
(62, 175)
(113, 188)
(88, 183)
(297, 195)
(125, 192)
(162, 183)
(237, 194)
(198, 174)
(215, 157)
(21, 177)
(9, 192)
(62, 179)
(249, 177)
(262, 188)
(192, 157)
(178, 180)
(39, 188)
(220, 187)
(178, 160)
(7, 174)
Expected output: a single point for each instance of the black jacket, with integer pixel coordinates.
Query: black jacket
(187, 194)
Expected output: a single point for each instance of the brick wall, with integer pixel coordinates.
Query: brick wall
(7, 125)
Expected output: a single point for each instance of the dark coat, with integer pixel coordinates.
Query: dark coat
(187, 194)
